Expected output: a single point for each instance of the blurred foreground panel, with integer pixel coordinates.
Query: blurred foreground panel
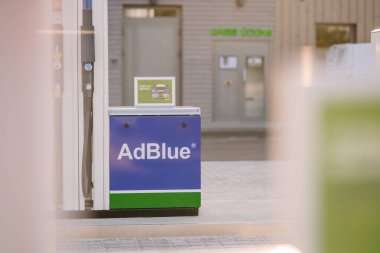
(333, 123)
(26, 126)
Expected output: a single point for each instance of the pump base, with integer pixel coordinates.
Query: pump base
(128, 213)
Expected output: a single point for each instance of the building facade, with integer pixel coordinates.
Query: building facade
(305, 22)
(223, 52)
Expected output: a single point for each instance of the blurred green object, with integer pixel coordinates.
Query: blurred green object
(350, 179)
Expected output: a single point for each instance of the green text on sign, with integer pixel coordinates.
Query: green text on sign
(244, 32)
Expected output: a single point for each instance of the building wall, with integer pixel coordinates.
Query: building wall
(296, 27)
(296, 19)
(198, 17)
(293, 22)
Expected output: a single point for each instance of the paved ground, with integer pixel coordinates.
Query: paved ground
(244, 146)
(164, 244)
(240, 209)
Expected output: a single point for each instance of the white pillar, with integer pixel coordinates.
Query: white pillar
(71, 111)
(101, 129)
(375, 41)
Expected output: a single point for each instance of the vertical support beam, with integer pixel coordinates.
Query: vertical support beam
(70, 107)
(80, 126)
(100, 103)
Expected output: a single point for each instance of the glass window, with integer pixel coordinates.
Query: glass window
(151, 12)
(137, 13)
(253, 78)
(328, 34)
(165, 12)
(228, 62)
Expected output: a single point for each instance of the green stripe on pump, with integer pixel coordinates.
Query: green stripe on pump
(155, 200)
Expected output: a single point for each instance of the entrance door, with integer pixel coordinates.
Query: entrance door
(239, 81)
(151, 46)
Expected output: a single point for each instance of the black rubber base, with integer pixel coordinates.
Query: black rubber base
(128, 213)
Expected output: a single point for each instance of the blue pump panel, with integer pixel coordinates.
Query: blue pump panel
(155, 153)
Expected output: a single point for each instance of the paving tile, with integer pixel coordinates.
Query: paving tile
(163, 244)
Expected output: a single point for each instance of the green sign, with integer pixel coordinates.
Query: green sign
(154, 91)
(243, 32)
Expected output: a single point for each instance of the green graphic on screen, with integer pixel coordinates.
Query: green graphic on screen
(155, 91)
